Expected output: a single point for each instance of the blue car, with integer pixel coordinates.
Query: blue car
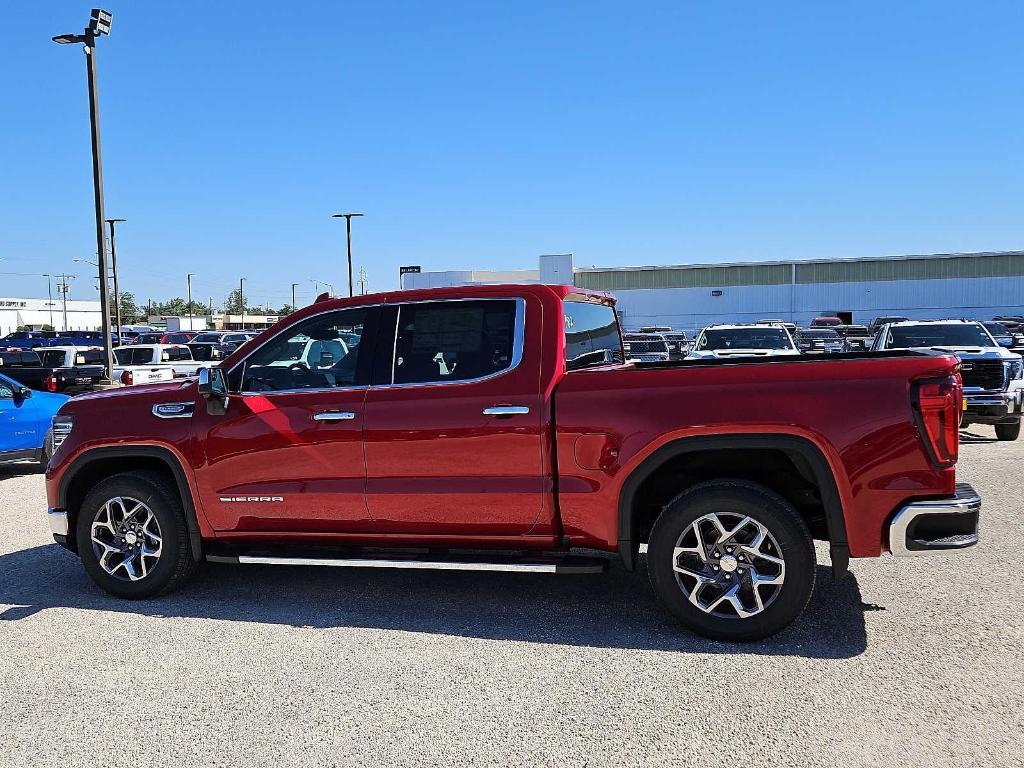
(25, 421)
(27, 339)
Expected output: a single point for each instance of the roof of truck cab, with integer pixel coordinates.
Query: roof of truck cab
(542, 291)
(453, 292)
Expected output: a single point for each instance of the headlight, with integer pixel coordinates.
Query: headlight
(60, 429)
(1016, 369)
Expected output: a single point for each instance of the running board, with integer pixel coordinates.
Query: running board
(563, 565)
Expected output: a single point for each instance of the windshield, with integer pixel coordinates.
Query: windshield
(204, 337)
(745, 338)
(997, 329)
(951, 335)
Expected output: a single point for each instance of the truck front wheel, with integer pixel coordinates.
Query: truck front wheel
(1008, 431)
(132, 536)
(732, 560)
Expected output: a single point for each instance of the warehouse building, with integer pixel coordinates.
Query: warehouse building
(58, 314)
(975, 285)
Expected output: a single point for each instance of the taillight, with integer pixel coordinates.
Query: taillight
(50, 382)
(937, 404)
(126, 378)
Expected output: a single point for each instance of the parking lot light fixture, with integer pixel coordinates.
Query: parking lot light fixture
(113, 269)
(348, 239)
(99, 25)
(241, 297)
(188, 279)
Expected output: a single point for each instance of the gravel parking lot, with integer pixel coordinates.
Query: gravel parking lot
(904, 662)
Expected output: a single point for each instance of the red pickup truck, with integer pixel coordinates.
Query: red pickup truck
(498, 428)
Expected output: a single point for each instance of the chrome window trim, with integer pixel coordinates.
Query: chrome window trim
(518, 338)
(518, 345)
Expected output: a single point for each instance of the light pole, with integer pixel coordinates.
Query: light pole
(113, 266)
(348, 238)
(294, 286)
(99, 24)
(241, 298)
(188, 279)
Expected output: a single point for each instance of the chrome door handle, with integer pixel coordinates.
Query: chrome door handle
(506, 410)
(334, 416)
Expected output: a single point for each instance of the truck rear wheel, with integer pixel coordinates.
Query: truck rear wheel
(1008, 431)
(732, 560)
(132, 536)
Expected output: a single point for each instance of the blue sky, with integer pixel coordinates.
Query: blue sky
(482, 134)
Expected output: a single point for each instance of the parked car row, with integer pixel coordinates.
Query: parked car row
(991, 366)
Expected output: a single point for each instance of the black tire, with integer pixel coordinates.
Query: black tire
(1008, 431)
(734, 498)
(175, 563)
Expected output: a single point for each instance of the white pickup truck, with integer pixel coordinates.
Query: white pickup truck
(739, 340)
(149, 363)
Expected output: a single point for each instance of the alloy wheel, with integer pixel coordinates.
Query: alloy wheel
(729, 565)
(126, 538)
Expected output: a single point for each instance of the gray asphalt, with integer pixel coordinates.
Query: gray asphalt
(905, 662)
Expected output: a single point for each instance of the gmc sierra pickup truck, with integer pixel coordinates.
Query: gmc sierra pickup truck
(499, 428)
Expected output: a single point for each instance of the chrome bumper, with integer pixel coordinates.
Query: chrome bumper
(58, 521)
(1007, 398)
(937, 525)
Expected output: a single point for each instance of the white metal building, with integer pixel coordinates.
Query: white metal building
(35, 313)
(976, 285)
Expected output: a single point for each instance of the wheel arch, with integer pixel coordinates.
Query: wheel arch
(97, 463)
(804, 451)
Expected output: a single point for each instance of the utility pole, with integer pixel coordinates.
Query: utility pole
(241, 299)
(188, 279)
(49, 296)
(113, 264)
(294, 286)
(348, 239)
(62, 288)
(99, 24)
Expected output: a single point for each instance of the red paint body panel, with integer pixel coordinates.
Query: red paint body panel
(857, 412)
(422, 465)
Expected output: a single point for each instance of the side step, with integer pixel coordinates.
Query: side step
(560, 565)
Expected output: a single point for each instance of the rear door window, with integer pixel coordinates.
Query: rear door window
(445, 341)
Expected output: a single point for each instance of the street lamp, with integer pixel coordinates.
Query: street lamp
(188, 279)
(294, 286)
(113, 267)
(99, 25)
(348, 238)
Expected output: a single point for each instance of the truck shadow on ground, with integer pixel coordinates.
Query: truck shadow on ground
(974, 437)
(614, 610)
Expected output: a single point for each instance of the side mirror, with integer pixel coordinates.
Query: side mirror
(213, 386)
(22, 393)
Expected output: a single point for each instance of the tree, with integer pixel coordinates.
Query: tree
(233, 303)
(130, 312)
(287, 309)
